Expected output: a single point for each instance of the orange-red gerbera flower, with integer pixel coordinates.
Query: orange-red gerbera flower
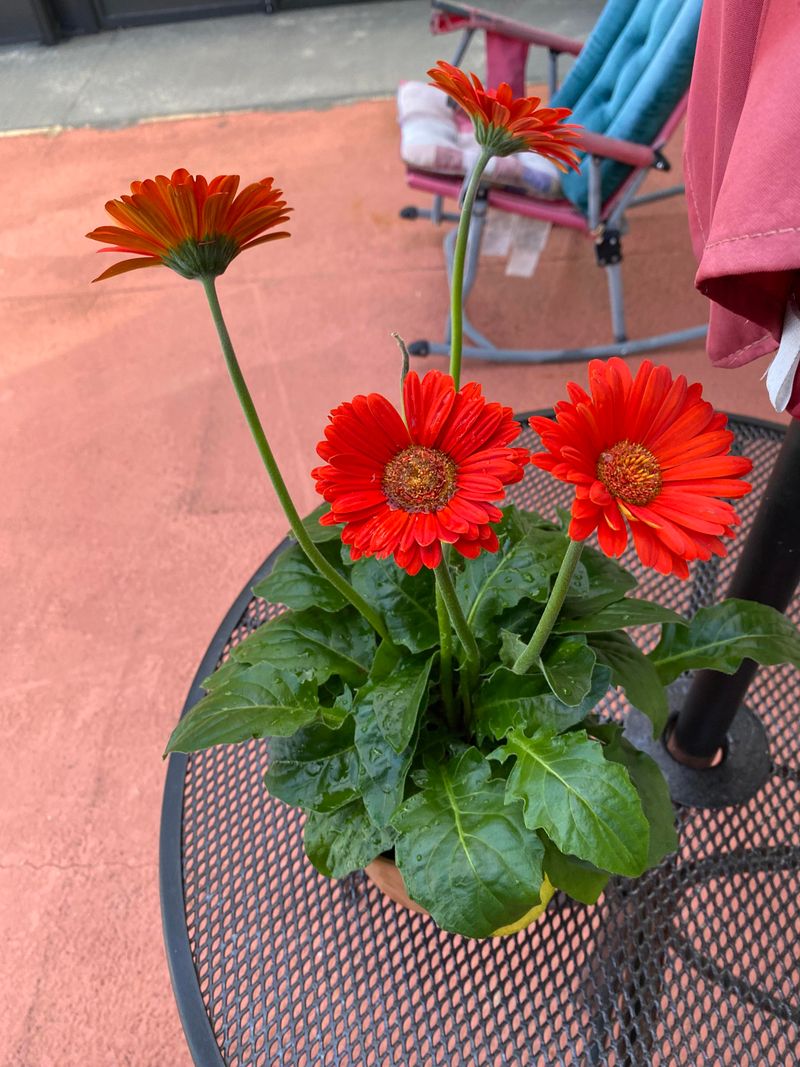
(193, 226)
(402, 488)
(507, 124)
(648, 451)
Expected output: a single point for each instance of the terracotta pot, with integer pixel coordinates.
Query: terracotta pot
(385, 875)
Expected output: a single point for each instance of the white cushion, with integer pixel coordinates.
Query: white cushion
(431, 139)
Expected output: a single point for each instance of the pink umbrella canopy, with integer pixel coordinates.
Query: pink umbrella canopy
(742, 168)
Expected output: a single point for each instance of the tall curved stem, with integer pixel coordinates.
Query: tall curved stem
(444, 582)
(459, 256)
(296, 523)
(544, 628)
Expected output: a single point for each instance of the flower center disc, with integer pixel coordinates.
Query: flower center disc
(419, 479)
(630, 472)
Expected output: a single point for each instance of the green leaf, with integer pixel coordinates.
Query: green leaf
(257, 702)
(722, 635)
(579, 879)
(407, 603)
(525, 521)
(383, 771)
(650, 784)
(626, 612)
(316, 768)
(296, 582)
(398, 687)
(587, 806)
(567, 664)
(550, 547)
(320, 534)
(511, 648)
(608, 582)
(495, 581)
(344, 840)
(464, 852)
(564, 518)
(222, 675)
(635, 673)
(318, 642)
(579, 582)
(509, 699)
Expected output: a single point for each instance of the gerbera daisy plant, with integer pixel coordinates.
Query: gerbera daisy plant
(429, 691)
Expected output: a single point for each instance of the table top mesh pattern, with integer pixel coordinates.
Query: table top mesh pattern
(697, 962)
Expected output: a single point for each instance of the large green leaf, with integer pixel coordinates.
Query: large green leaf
(626, 612)
(296, 582)
(464, 852)
(406, 602)
(317, 768)
(326, 645)
(257, 702)
(651, 786)
(635, 673)
(383, 770)
(587, 806)
(344, 840)
(509, 699)
(722, 635)
(397, 690)
(494, 581)
(579, 879)
(567, 664)
(608, 582)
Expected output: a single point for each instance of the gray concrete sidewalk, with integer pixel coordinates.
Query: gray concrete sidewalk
(314, 57)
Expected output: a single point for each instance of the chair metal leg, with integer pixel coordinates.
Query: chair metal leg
(435, 213)
(616, 301)
(564, 355)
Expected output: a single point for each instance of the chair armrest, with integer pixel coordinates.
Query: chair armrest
(636, 155)
(447, 17)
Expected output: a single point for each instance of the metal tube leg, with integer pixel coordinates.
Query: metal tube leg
(616, 301)
(768, 571)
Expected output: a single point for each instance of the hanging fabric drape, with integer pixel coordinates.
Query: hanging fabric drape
(742, 167)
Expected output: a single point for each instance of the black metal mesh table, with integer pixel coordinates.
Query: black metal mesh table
(695, 963)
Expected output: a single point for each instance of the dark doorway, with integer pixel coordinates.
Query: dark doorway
(49, 20)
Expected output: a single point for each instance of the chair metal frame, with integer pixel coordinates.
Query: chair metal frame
(604, 222)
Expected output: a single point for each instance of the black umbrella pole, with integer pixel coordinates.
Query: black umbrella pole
(768, 571)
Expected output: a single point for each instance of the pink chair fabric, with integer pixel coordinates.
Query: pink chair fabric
(742, 168)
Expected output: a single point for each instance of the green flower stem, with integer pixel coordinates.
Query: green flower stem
(445, 657)
(444, 583)
(298, 530)
(533, 650)
(459, 255)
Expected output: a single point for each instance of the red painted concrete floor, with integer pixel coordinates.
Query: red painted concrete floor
(134, 507)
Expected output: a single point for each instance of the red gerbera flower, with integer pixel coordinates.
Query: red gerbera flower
(648, 451)
(402, 488)
(509, 124)
(193, 226)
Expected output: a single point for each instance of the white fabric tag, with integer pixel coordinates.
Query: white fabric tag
(529, 237)
(782, 370)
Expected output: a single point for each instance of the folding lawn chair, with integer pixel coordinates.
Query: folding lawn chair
(628, 89)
